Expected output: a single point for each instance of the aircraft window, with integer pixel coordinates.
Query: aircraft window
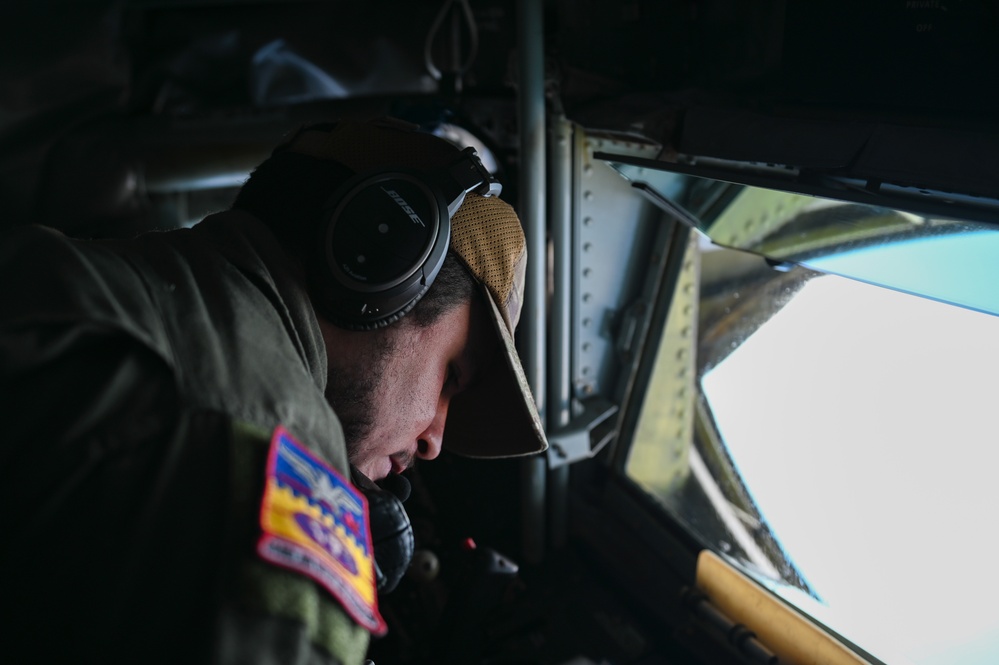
(834, 440)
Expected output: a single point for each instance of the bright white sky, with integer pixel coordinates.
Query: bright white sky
(866, 424)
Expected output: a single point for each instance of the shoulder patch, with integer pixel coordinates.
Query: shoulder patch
(315, 522)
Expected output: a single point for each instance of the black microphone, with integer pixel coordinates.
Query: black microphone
(399, 486)
(391, 531)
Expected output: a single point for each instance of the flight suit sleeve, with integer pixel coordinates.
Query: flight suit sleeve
(136, 520)
(271, 614)
(131, 520)
(112, 515)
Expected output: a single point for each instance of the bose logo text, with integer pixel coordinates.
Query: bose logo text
(405, 206)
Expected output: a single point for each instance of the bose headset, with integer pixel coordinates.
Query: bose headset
(384, 237)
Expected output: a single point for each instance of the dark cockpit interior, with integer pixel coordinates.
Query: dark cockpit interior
(686, 171)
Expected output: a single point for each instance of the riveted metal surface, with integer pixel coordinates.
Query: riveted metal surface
(612, 230)
(658, 457)
(755, 214)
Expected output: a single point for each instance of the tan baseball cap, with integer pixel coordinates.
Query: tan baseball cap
(496, 416)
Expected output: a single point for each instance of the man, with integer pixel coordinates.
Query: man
(184, 409)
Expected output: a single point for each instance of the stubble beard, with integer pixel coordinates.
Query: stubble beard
(352, 384)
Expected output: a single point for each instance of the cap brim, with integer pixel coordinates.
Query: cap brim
(496, 416)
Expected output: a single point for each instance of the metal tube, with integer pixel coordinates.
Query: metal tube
(531, 123)
(560, 332)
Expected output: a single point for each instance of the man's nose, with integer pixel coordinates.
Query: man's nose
(432, 438)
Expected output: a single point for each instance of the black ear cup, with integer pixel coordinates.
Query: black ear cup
(383, 242)
(384, 237)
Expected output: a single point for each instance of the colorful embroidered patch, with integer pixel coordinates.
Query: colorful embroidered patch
(316, 523)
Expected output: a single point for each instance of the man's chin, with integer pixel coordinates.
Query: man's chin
(376, 469)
